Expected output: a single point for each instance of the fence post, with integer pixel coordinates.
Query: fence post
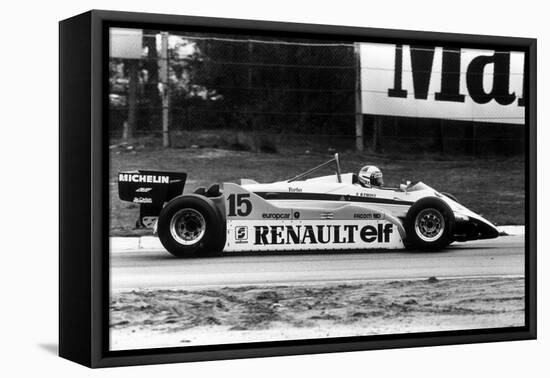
(130, 124)
(440, 139)
(474, 139)
(165, 91)
(376, 133)
(359, 142)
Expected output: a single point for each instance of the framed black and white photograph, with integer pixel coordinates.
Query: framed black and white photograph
(258, 188)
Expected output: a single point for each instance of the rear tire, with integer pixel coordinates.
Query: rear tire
(429, 225)
(190, 226)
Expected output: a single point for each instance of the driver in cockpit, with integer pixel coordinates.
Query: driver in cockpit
(370, 176)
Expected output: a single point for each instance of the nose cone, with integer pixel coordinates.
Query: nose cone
(475, 228)
(487, 230)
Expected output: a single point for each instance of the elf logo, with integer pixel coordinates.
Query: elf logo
(241, 234)
(322, 234)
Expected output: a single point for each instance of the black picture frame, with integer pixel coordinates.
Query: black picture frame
(83, 156)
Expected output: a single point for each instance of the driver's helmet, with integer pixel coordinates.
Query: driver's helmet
(370, 175)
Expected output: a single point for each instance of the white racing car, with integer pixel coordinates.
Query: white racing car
(335, 212)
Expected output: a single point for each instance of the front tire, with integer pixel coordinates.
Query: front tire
(190, 226)
(429, 224)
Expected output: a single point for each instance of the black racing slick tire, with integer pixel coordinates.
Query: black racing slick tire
(429, 225)
(191, 226)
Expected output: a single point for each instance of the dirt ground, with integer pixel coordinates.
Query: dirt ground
(166, 318)
(493, 188)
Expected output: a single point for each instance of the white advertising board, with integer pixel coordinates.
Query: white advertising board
(450, 83)
(125, 43)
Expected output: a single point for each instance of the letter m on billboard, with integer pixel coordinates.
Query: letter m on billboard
(445, 83)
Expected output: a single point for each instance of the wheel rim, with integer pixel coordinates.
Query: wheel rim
(187, 226)
(429, 225)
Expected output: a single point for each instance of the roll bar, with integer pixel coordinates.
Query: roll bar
(335, 160)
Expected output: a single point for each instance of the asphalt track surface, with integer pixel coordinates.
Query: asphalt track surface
(154, 269)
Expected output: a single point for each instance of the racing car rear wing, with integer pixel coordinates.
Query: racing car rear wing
(150, 187)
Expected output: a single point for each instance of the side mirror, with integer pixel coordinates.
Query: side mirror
(405, 186)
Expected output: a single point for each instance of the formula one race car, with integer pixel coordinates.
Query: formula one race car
(332, 212)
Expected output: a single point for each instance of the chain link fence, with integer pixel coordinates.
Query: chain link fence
(268, 94)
